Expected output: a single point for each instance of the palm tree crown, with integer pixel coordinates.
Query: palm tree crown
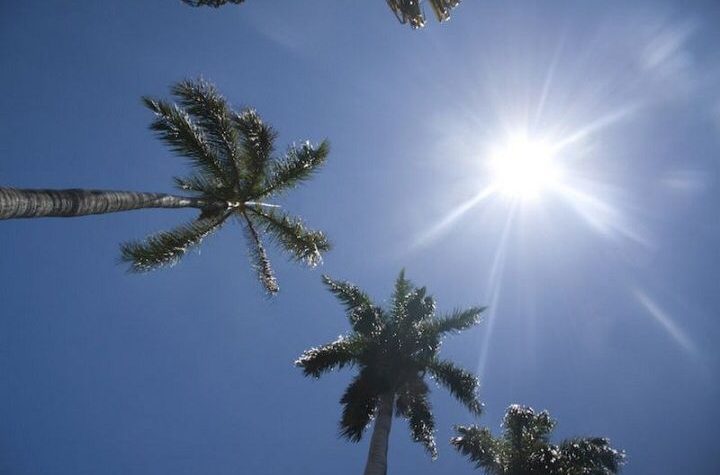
(524, 448)
(393, 350)
(235, 173)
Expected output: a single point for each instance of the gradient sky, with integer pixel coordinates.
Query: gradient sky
(604, 297)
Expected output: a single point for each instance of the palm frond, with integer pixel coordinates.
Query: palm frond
(256, 140)
(524, 426)
(419, 307)
(413, 403)
(259, 258)
(298, 165)
(400, 295)
(211, 3)
(359, 402)
(200, 184)
(338, 354)
(442, 8)
(302, 244)
(364, 317)
(175, 127)
(166, 248)
(210, 111)
(590, 455)
(408, 11)
(480, 447)
(457, 321)
(461, 384)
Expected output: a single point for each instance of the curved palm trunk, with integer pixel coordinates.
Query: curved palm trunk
(23, 203)
(377, 456)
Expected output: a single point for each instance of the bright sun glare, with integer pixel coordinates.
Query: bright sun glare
(524, 168)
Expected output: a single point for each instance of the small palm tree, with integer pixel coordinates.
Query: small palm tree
(235, 173)
(524, 448)
(410, 11)
(393, 351)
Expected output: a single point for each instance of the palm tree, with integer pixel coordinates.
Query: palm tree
(393, 350)
(235, 173)
(524, 448)
(410, 11)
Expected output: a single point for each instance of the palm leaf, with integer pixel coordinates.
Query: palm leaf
(590, 455)
(338, 354)
(166, 248)
(480, 447)
(211, 3)
(299, 164)
(175, 127)
(359, 402)
(461, 384)
(302, 244)
(413, 403)
(457, 321)
(256, 140)
(259, 258)
(210, 111)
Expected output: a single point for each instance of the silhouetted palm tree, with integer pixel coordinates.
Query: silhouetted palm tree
(525, 449)
(411, 12)
(235, 173)
(393, 351)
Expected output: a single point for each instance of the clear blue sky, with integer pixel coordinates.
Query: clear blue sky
(604, 298)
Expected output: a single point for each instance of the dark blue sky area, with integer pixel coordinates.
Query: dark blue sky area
(604, 291)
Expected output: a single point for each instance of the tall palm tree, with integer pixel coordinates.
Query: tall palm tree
(410, 11)
(393, 350)
(235, 174)
(524, 448)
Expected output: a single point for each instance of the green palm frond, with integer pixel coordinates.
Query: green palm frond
(259, 259)
(256, 140)
(458, 320)
(175, 127)
(524, 426)
(202, 185)
(413, 403)
(591, 456)
(166, 248)
(480, 447)
(461, 384)
(210, 111)
(400, 295)
(338, 354)
(359, 403)
(211, 3)
(364, 317)
(298, 165)
(302, 244)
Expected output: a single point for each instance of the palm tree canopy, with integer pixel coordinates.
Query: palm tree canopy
(236, 172)
(524, 448)
(393, 350)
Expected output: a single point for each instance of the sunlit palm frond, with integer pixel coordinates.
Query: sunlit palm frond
(302, 244)
(175, 127)
(524, 426)
(210, 111)
(166, 248)
(480, 447)
(590, 455)
(413, 403)
(460, 383)
(336, 355)
(259, 259)
(298, 165)
(201, 185)
(256, 140)
(458, 320)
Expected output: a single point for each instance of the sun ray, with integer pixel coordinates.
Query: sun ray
(665, 321)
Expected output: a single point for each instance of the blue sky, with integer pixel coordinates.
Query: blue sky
(604, 296)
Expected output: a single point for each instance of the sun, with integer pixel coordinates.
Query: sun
(524, 168)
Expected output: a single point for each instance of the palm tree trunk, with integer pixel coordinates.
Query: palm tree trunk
(377, 457)
(19, 203)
